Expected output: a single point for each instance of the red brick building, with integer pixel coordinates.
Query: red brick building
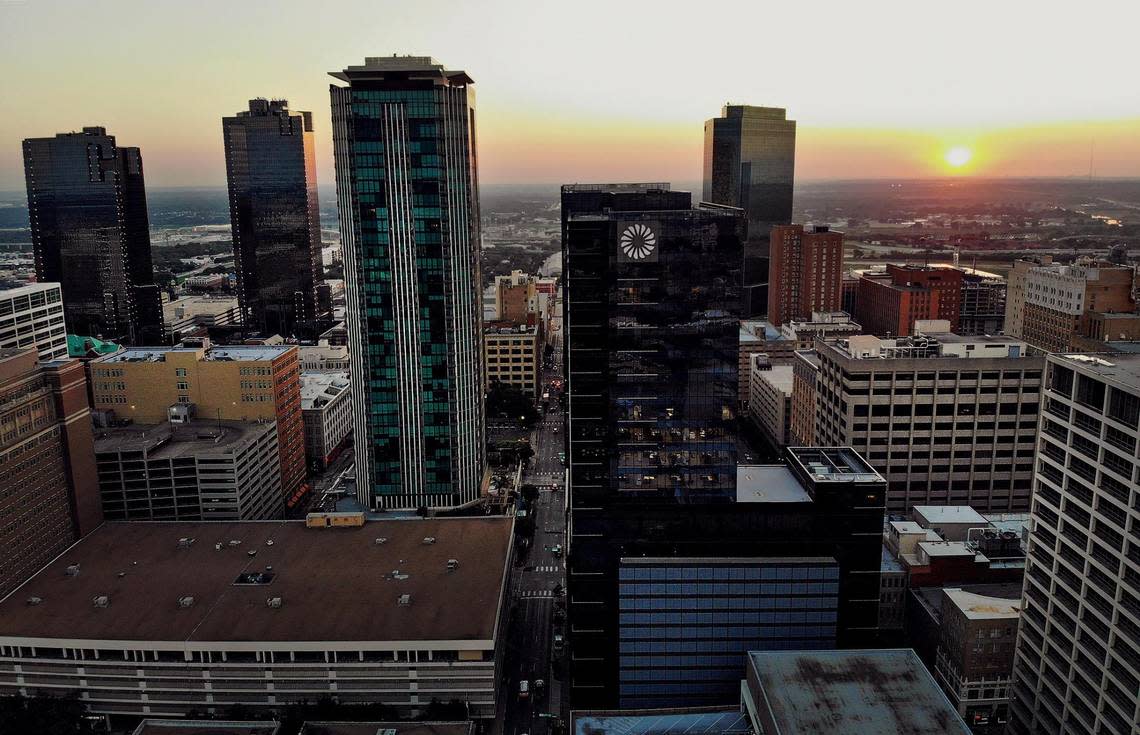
(804, 272)
(890, 304)
(50, 493)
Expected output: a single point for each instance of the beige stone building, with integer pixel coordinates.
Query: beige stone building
(151, 385)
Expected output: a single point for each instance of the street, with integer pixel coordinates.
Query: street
(538, 580)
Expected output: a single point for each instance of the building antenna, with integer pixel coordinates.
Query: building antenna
(1092, 149)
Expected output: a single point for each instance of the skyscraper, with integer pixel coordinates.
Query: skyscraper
(1077, 667)
(407, 184)
(805, 272)
(91, 234)
(272, 174)
(749, 162)
(652, 316)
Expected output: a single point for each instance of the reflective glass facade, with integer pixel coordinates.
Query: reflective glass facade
(686, 625)
(404, 136)
(272, 175)
(652, 348)
(91, 234)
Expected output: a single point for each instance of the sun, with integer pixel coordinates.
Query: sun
(958, 156)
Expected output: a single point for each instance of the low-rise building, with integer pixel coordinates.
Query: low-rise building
(323, 357)
(770, 399)
(780, 344)
(326, 404)
(983, 303)
(855, 691)
(226, 383)
(196, 471)
(192, 313)
(974, 660)
(1060, 299)
(32, 316)
(513, 356)
(891, 303)
(165, 619)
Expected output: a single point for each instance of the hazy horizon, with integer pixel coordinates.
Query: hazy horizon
(610, 91)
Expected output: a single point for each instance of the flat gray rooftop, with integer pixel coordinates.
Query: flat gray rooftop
(661, 722)
(1120, 366)
(757, 483)
(167, 441)
(869, 692)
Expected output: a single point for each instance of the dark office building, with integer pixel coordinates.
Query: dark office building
(407, 185)
(272, 174)
(750, 160)
(91, 234)
(652, 314)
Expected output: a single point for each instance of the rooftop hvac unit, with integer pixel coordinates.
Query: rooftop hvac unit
(452, 565)
(185, 543)
(186, 601)
(72, 570)
(380, 540)
(35, 600)
(274, 602)
(100, 601)
(404, 599)
(429, 539)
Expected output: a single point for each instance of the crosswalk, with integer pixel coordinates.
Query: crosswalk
(536, 593)
(548, 569)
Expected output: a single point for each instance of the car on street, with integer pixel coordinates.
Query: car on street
(524, 689)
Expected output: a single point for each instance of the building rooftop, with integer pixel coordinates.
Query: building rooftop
(1123, 367)
(937, 515)
(936, 549)
(832, 464)
(768, 484)
(219, 353)
(191, 306)
(29, 288)
(318, 389)
(78, 346)
(984, 607)
(870, 692)
(345, 578)
(388, 728)
(625, 187)
(781, 377)
(698, 721)
(205, 727)
(167, 441)
(400, 67)
(758, 330)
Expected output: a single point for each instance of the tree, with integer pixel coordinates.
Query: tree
(509, 402)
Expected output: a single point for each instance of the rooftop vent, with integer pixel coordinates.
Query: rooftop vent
(35, 600)
(72, 570)
(218, 546)
(274, 602)
(269, 542)
(397, 574)
(120, 575)
(429, 540)
(186, 601)
(100, 601)
(251, 552)
(235, 542)
(404, 599)
(185, 542)
(452, 565)
(380, 541)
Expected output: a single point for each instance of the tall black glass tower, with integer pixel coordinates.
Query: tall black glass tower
(659, 506)
(272, 175)
(91, 233)
(749, 162)
(407, 186)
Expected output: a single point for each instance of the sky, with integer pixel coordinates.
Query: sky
(588, 90)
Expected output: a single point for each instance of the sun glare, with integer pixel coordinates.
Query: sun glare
(958, 156)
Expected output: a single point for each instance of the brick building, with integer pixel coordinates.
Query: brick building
(804, 273)
(890, 303)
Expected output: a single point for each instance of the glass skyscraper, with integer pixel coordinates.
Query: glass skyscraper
(407, 186)
(652, 312)
(272, 175)
(750, 161)
(91, 234)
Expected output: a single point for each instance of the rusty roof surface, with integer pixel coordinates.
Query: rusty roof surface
(335, 584)
(870, 692)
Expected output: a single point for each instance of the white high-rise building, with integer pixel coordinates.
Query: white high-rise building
(1077, 668)
(32, 316)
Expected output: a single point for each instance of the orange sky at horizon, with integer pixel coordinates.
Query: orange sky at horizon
(610, 91)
